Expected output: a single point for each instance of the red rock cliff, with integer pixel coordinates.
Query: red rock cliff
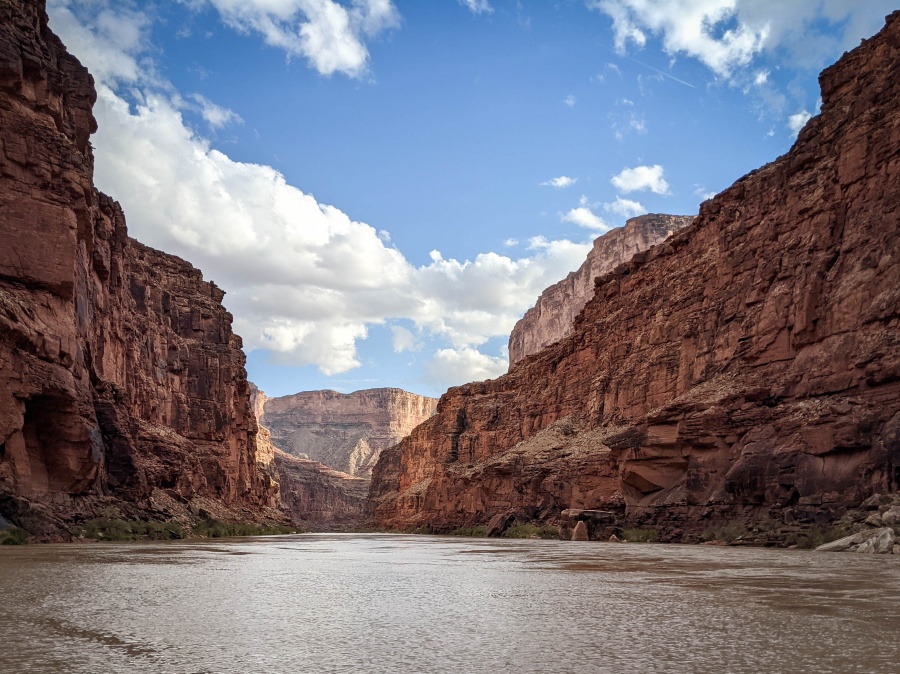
(748, 368)
(553, 315)
(119, 373)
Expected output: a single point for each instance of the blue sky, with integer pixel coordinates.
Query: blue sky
(383, 188)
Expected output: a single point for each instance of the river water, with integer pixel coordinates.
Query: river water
(393, 603)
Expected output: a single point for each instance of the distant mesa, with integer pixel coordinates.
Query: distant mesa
(346, 432)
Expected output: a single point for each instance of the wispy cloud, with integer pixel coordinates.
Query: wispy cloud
(560, 183)
(477, 6)
(215, 115)
(663, 73)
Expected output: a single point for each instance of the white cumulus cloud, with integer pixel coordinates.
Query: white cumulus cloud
(641, 178)
(303, 280)
(453, 366)
(727, 35)
(797, 121)
(331, 36)
(583, 216)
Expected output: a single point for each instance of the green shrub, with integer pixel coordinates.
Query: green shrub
(727, 532)
(640, 535)
(110, 529)
(217, 529)
(817, 535)
(478, 531)
(13, 536)
(530, 531)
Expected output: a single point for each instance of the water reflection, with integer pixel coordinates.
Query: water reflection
(382, 603)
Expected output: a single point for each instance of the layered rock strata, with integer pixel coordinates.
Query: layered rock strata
(312, 495)
(747, 370)
(344, 431)
(553, 315)
(121, 380)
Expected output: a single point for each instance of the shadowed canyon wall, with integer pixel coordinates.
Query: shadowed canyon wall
(748, 367)
(553, 315)
(120, 377)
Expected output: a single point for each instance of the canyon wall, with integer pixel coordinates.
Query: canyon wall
(121, 381)
(552, 316)
(344, 431)
(312, 495)
(746, 370)
(317, 497)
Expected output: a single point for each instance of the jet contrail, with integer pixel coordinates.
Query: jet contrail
(663, 73)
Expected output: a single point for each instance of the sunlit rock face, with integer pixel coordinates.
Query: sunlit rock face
(344, 431)
(311, 494)
(120, 376)
(747, 369)
(553, 315)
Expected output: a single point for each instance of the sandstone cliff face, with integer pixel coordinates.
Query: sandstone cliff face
(747, 369)
(553, 315)
(311, 494)
(344, 431)
(119, 373)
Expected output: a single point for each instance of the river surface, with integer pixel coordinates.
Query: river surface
(393, 603)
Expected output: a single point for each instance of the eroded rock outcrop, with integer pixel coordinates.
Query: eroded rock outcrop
(344, 431)
(553, 315)
(746, 370)
(120, 377)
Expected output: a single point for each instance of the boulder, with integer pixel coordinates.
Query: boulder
(872, 540)
(498, 524)
(880, 544)
(580, 532)
(891, 517)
